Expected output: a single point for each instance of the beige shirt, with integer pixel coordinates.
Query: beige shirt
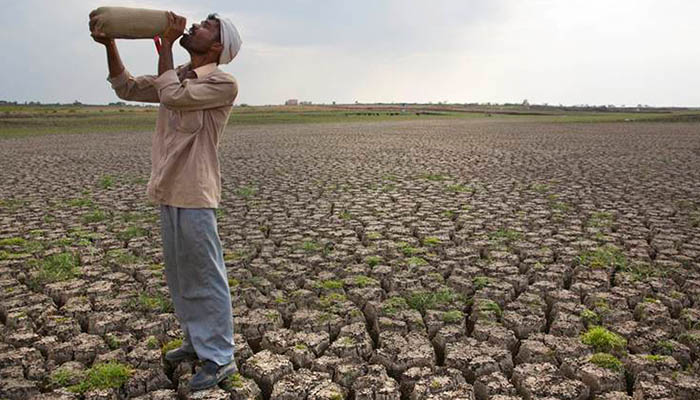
(191, 118)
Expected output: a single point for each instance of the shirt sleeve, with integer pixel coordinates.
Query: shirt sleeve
(190, 95)
(131, 88)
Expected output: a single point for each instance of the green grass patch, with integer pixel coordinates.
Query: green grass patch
(310, 246)
(106, 181)
(171, 345)
(57, 267)
(131, 232)
(123, 256)
(590, 317)
(608, 361)
(431, 241)
(603, 258)
(329, 284)
(152, 302)
(364, 281)
(489, 307)
(425, 300)
(394, 304)
(603, 341)
(452, 317)
(505, 235)
(416, 262)
(480, 282)
(104, 376)
(373, 261)
(246, 192)
(95, 216)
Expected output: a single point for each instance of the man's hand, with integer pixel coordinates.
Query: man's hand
(97, 35)
(175, 29)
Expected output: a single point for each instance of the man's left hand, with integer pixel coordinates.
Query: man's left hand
(176, 26)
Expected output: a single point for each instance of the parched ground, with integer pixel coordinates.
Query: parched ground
(441, 259)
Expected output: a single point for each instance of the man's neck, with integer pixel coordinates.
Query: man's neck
(197, 60)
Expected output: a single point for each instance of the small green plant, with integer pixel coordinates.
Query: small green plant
(373, 261)
(123, 257)
(363, 281)
(590, 317)
(654, 358)
(602, 340)
(480, 282)
(246, 192)
(540, 187)
(665, 347)
(83, 201)
(106, 181)
(459, 188)
(329, 284)
(152, 302)
(13, 241)
(600, 219)
(416, 262)
(103, 376)
(374, 235)
(431, 241)
(345, 215)
(112, 342)
(424, 300)
(394, 304)
(235, 380)
(490, 307)
(407, 249)
(310, 246)
(131, 232)
(452, 317)
(603, 258)
(63, 377)
(152, 342)
(58, 267)
(606, 360)
(171, 345)
(434, 177)
(505, 234)
(94, 216)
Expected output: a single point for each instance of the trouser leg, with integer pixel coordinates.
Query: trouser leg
(205, 298)
(169, 226)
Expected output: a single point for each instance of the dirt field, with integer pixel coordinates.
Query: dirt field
(425, 259)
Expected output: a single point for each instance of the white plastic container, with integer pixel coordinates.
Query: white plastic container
(129, 23)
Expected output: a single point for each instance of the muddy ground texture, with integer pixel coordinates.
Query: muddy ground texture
(452, 259)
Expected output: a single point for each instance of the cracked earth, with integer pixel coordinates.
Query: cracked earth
(439, 259)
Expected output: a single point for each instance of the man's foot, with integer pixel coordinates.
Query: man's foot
(180, 354)
(210, 374)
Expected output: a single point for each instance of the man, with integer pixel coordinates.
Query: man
(195, 102)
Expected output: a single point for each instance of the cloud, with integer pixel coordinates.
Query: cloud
(596, 52)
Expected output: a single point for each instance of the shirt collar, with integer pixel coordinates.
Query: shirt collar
(205, 70)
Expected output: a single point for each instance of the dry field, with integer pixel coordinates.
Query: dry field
(427, 259)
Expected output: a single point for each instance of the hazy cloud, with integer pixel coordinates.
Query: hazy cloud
(572, 52)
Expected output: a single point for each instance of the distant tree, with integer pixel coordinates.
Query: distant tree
(526, 103)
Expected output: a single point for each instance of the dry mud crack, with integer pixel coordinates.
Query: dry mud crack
(462, 259)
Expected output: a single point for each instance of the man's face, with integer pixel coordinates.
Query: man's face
(200, 37)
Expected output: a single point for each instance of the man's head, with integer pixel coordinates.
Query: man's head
(204, 38)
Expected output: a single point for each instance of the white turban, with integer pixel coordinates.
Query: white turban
(230, 40)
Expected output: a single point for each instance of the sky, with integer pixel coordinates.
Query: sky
(622, 52)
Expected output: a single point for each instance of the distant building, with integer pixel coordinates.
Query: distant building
(291, 102)
(305, 103)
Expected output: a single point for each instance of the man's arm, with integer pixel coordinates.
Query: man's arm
(126, 86)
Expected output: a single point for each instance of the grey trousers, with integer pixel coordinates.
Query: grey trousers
(197, 280)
